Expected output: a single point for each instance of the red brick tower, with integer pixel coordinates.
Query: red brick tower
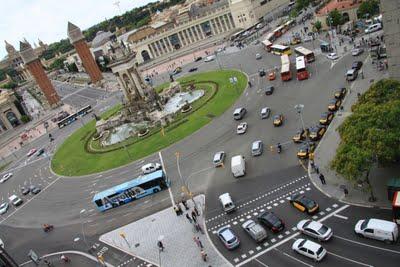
(35, 67)
(78, 41)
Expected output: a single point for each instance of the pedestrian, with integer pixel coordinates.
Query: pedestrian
(188, 217)
(160, 245)
(195, 210)
(322, 178)
(345, 191)
(203, 255)
(176, 210)
(316, 169)
(312, 164)
(362, 74)
(194, 218)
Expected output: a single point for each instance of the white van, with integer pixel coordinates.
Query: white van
(351, 75)
(209, 58)
(227, 203)
(373, 28)
(377, 229)
(239, 113)
(16, 201)
(238, 166)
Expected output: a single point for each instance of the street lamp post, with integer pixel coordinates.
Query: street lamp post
(83, 229)
(299, 108)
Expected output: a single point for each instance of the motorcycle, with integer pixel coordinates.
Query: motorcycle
(47, 227)
(279, 148)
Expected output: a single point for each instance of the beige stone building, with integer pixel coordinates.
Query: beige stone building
(391, 14)
(9, 114)
(348, 9)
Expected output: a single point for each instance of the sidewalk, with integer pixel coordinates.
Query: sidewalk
(326, 150)
(176, 234)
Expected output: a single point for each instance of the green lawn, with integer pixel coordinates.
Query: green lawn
(71, 159)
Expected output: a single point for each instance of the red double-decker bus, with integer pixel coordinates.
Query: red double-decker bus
(286, 75)
(301, 70)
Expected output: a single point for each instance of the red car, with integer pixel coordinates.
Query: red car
(31, 152)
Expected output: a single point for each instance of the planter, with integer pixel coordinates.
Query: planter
(186, 108)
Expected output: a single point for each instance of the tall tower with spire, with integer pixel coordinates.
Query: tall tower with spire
(10, 48)
(78, 41)
(35, 67)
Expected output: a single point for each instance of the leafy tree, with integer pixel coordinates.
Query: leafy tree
(370, 134)
(57, 64)
(334, 18)
(369, 7)
(10, 85)
(25, 118)
(72, 67)
(318, 25)
(293, 13)
(302, 4)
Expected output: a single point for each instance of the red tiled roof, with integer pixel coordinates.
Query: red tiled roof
(339, 5)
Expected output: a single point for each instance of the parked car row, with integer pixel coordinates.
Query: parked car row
(16, 201)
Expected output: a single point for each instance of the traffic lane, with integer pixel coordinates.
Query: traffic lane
(343, 225)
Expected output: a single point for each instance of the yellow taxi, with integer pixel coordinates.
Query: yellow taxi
(340, 93)
(304, 204)
(334, 104)
(300, 135)
(278, 120)
(326, 118)
(306, 150)
(316, 132)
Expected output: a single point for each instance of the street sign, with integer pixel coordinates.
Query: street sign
(33, 256)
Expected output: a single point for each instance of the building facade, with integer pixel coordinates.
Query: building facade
(10, 117)
(391, 20)
(192, 25)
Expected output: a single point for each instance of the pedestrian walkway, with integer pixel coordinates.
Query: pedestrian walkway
(336, 185)
(179, 244)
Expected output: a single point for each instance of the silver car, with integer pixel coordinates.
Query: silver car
(315, 229)
(257, 148)
(256, 231)
(228, 237)
(219, 158)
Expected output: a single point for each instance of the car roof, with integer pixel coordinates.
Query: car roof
(256, 144)
(314, 225)
(225, 197)
(311, 245)
(382, 224)
(227, 233)
(218, 155)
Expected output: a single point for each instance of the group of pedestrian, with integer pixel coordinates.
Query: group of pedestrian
(316, 170)
(199, 244)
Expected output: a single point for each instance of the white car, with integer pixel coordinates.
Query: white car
(332, 56)
(219, 50)
(3, 208)
(309, 249)
(1, 243)
(209, 58)
(219, 158)
(357, 51)
(31, 152)
(150, 167)
(6, 177)
(242, 127)
(258, 56)
(315, 229)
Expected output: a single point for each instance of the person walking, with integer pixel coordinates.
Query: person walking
(198, 242)
(203, 255)
(185, 204)
(345, 191)
(322, 178)
(194, 218)
(188, 217)
(160, 245)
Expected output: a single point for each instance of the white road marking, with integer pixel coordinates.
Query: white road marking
(354, 261)
(263, 264)
(296, 259)
(341, 216)
(371, 246)
(283, 241)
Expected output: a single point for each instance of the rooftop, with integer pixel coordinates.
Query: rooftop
(339, 5)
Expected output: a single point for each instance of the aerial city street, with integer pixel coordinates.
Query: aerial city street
(202, 133)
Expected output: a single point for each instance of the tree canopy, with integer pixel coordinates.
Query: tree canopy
(334, 18)
(302, 4)
(371, 134)
(368, 8)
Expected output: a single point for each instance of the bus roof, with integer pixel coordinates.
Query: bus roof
(278, 46)
(279, 28)
(300, 63)
(396, 199)
(132, 183)
(266, 42)
(303, 51)
(269, 35)
(285, 64)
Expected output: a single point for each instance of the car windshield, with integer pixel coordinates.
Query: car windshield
(308, 202)
(3, 205)
(276, 117)
(319, 251)
(324, 115)
(306, 224)
(364, 224)
(323, 229)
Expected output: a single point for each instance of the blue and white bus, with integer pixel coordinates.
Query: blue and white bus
(126, 192)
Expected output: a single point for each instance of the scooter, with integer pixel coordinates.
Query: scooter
(47, 227)
(279, 148)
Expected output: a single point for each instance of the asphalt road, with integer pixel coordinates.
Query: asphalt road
(66, 202)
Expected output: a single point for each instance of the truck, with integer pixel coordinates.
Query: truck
(238, 166)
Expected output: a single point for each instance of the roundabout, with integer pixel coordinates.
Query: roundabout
(81, 155)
